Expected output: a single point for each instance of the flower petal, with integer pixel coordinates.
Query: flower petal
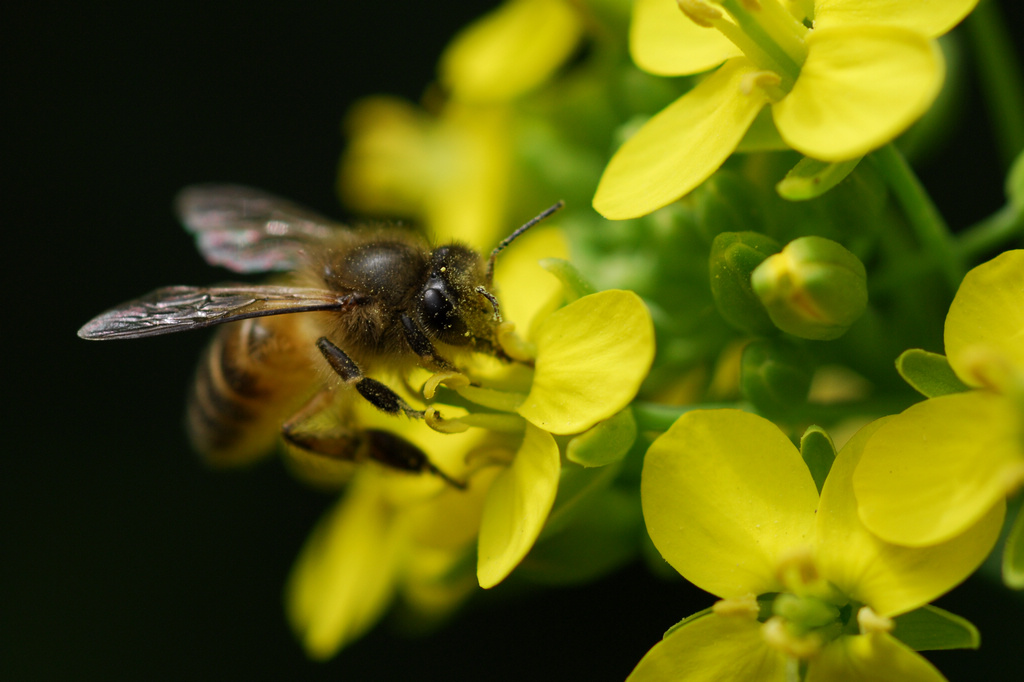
(725, 494)
(344, 577)
(517, 506)
(987, 316)
(870, 658)
(664, 41)
(931, 18)
(938, 468)
(592, 356)
(681, 146)
(860, 87)
(892, 579)
(524, 286)
(710, 649)
(510, 50)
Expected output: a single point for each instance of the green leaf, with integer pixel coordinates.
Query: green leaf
(574, 285)
(811, 178)
(1013, 554)
(928, 373)
(605, 442)
(818, 451)
(930, 628)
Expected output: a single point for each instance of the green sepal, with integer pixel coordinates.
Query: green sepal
(734, 256)
(930, 628)
(606, 442)
(574, 284)
(1013, 554)
(811, 178)
(775, 375)
(689, 619)
(596, 543)
(818, 452)
(928, 373)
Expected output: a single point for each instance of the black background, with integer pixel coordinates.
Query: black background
(122, 557)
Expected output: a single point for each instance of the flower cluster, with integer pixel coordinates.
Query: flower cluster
(740, 197)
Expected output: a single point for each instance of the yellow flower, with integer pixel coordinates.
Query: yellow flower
(390, 534)
(851, 82)
(510, 50)
(730, 504)
(393, 534)
(590, 359)
(452, 170)
(453, 167)
(944, 463)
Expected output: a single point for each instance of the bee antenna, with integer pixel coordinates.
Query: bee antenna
(494, 302)
(512, 237)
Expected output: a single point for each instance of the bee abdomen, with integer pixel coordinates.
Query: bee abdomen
(252, 377)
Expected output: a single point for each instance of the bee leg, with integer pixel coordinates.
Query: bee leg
(352, 445)
(422, 346)
(398, 453)
(379, 395)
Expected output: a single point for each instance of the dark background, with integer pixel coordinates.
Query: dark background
(122, 557)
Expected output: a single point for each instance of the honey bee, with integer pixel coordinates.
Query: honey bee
(356, 300)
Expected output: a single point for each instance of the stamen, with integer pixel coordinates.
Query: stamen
(796, 569)
(746, 607)
(515, 347)
(453, 380)
(778, 636)
(435, 421)
(870, 622)
(767, 82)
(700, 12)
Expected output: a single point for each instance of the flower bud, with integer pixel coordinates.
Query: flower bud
(775, 376)
(734, 256)
(814, 289)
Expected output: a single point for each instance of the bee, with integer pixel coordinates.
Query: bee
(354, 300)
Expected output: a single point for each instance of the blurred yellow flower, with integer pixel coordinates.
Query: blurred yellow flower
(451, 165)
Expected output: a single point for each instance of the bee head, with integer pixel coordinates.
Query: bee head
(452, 308)
(457, 305)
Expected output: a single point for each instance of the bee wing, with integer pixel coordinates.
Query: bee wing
(248, 230)
(182, 308)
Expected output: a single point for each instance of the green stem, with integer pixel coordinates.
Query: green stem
(924, 218)
(1001, 227)
(1000, 77)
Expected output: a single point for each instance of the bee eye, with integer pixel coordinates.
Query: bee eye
(440, 317)
(437, 308)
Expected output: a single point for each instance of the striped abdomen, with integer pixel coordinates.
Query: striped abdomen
(253, 376)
